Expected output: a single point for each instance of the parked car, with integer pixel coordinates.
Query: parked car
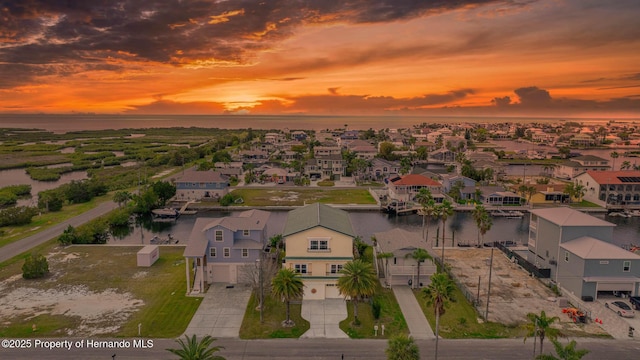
(621, 308)
(635, 301)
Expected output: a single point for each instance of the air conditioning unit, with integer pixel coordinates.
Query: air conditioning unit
(553, 262)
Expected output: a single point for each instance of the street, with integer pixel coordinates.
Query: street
(334, 349)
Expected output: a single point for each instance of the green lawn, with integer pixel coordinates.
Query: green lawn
(298, 197)
(165, 312)
(390, 316)
(274, 313)
(460, 321)
(46, 220)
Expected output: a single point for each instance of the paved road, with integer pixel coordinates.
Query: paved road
(321, 349)
(20, 246)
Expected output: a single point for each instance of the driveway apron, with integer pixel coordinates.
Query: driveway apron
(324, 317)
(221, 312)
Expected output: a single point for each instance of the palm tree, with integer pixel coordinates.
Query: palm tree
(402, 347)
(569, 189)
(568, 352)
(192, 349)
(444, 210)
(626, 165)
(287, 285)
(358, 280)
(483, 221)
(424, 198)
(121, 197)
(439, 293)
(614, 156)
(419, 255)
(540, 327)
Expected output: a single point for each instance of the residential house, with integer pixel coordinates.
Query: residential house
(299, 135)
(197, 185)
(589, 267)
(582, 140)
(218, 248)
(382, 169)
(324, 150)
(569, 169)
(326, 166)
(451, 180)
(548, 194)
(401, 268)
(406, 188)
(233, 168)
(612, 189)
(318, 242)
(442, 155)
(548, 228)
(497, 196)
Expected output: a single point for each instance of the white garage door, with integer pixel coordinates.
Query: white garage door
(220, 273)
(615, 286)
(332, 292)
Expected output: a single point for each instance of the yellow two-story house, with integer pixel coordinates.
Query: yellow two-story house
(318, 242)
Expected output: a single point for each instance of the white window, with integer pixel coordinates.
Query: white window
(226, 252)
(335, 268)
(318, 245)
(300, 268)
(213, 252)
(218, 235)
(626, 266)
(245, 253)
(245, 232)
(566, 256)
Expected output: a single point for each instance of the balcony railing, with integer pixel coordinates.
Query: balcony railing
(327, 250)
(412, 269)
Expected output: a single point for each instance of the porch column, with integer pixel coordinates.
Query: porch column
(201, 268)
(186, 262)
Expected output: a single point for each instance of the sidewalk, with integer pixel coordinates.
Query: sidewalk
(419, 327)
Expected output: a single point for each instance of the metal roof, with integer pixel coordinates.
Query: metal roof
(587, 247)
(317, 214)
(565, 216)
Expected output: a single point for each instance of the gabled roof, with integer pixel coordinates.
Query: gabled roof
(614, 177)
(415, 179)
(317, 214)
(197, 245)
(399, 239)
(587, 247)
(565, 216)
(191, 175)
(589, 158)
(246, 220)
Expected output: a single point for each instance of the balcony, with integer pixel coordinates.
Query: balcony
(327, 250)
(425, 269)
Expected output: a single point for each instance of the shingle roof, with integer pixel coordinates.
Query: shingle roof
(192, 175)
(317, 214)
(565, 216)
(246, 220)
(197, 245)
(587, 247)
(399, 239)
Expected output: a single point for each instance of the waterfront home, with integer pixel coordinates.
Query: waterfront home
(569, 169)
(318, 242)
(612, 189)
(326, 167)
(233, 168)
(406, 188)
(589, 267)
(198, 185)
(497, 196)
(218, 248)
(381, 168)
(399, 268)
(547, 194)
(548, 228)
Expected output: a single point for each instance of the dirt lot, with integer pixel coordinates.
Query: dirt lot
(513, 292)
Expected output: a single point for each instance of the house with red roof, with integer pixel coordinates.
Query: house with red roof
(406, 188)
(612, 189)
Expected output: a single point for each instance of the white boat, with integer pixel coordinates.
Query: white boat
(619, 214)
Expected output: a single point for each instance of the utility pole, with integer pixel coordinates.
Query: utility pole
(260, 261)
(486, 315)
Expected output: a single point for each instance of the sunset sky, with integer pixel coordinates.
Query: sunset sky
(578, 58)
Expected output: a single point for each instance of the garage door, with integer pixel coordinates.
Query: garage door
(220, 273)
(332, 292)
(615, 286)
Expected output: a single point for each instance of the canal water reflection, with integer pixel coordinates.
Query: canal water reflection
(460, 228)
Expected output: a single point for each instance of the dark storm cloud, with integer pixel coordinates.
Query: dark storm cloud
(37, 33)
(533, 96)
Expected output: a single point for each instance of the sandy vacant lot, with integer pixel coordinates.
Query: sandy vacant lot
(513, 292)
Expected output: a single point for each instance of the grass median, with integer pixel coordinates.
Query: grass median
(274, 314)
(390, 316)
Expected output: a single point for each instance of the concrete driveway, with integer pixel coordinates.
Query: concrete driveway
(324, 317)
(221, 312)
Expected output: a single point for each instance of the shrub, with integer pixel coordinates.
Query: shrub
(35, 266)
(226, 200)
(376, 308)
(20, 215)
